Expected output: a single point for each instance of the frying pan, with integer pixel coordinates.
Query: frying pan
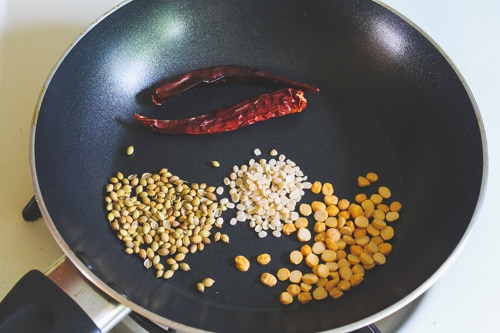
(390, 102)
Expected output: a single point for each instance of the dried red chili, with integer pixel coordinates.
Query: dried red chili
(222, 74)
(278, 103)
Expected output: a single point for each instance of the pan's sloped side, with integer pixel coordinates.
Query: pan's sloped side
(390, 102)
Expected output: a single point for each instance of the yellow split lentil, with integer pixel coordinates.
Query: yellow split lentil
(296, 257)
(264, 259)
(304, 297)
(268, 279)
(283, 274)
(316, 187)
(372, 177)
(305, 209)
(295, 276)
(242, 263)
(363, 181)
(286, 298)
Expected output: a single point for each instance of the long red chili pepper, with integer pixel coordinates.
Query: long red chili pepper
(278, 103)
(222, 74)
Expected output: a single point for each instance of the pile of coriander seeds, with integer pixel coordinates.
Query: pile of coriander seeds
(162, 218)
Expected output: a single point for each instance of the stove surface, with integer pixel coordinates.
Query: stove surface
(32, 40)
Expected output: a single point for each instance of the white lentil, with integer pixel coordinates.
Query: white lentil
(235, 197)
(240, 216)
(306, 185)
(257, 152)
(266, 193)
(277, 233)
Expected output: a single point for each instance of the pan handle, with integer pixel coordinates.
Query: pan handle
(36, 304)
(58, 300)
(31, 211)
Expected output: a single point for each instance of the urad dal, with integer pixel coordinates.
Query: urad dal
(266, 193)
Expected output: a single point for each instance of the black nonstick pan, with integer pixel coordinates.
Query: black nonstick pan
(390, 102)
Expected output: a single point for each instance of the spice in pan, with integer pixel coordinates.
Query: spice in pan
(208, 282)
(266, 193)
(205, 283)
(264, 258)
(266, 106)
(162, 219)
(219, 75)
(286, 298)
(351, 240)
(130, 150)
(347, 241)
(268, 279)
(242, 263)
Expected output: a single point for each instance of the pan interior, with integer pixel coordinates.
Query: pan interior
(389, 103)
